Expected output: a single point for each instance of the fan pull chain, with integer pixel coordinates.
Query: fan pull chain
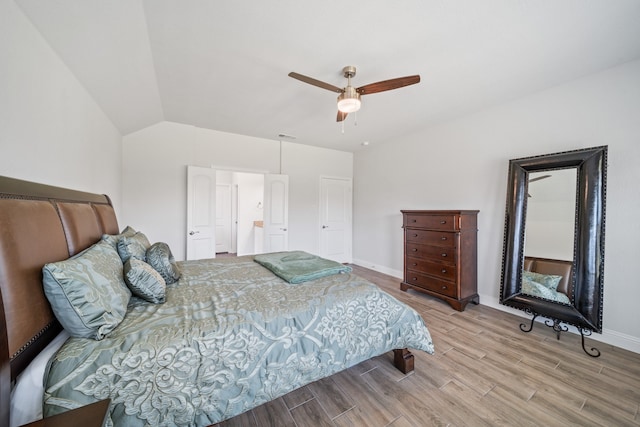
(342, 123)
(355, 118)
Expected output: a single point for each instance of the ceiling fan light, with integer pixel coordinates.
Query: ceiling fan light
(349, 105)
(349, 101)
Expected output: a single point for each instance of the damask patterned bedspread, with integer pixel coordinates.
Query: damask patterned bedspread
(230, 336)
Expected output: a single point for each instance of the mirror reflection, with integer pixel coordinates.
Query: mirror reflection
(564, 236)
(550, 234)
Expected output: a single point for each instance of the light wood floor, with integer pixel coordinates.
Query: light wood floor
(485, 372)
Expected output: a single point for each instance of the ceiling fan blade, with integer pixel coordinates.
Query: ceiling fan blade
(341, 116)
(315, 82)
(388, 85)
(539, 178)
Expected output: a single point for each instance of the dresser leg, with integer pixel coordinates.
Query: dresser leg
(461, 304)
(403, 360)
(457, 305)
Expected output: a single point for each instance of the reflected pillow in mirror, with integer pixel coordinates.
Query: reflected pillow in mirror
(535, 289)
(549, 281)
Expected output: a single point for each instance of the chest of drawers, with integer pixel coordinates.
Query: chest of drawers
(440, 255)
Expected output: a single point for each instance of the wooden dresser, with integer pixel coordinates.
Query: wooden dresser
(440, 255)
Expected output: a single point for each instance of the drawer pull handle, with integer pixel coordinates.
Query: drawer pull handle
(415, 235)
(415, 249)
(443, 238)
(444, 288)
(443, 222)
(413, 220)
(415, 264)
(444, 270)
(444, 255)
(415, 278)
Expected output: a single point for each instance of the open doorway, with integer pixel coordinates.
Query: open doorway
(239, 213)
(252, 209)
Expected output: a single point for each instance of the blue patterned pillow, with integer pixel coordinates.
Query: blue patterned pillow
(133, 246)
(144, 281)
(536, 289)
(547, 280)
(113, 239)
(87, 291)
(160, 258)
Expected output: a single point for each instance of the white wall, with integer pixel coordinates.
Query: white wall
(305, 165)
(463, 164)
(155, 177)
(51, 130)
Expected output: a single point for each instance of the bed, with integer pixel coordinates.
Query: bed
(227, 336)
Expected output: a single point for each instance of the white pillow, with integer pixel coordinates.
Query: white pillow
(28, 393)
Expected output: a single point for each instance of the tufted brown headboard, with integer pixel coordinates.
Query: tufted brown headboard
(38, 224)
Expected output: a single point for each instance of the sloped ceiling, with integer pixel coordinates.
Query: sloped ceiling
(223, 64)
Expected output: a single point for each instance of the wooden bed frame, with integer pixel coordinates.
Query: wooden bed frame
(41, 224)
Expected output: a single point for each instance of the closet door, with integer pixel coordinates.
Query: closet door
(276, 213)
(336, 218)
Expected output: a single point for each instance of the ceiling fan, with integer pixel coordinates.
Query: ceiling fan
(349, 98)
(538, 178)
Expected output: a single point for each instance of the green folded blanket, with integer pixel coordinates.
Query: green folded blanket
(299, 266)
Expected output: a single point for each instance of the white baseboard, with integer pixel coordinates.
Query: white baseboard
(380, 268)
(607, 336)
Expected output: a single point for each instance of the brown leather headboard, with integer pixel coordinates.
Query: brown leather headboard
(38, 224)
(555, 267)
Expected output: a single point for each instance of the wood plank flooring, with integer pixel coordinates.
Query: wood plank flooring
(485, 372)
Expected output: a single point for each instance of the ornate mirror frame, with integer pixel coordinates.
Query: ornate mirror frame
(585, 309)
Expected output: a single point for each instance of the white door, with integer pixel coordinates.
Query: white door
(201, 213)
(223, 218)
(335, 219)
(276, 213)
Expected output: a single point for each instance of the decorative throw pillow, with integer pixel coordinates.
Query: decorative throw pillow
(531, 287)
(144, 281)
(87, 291)
(550, 281)
(160, 258)
(113, 239)
(133, 246)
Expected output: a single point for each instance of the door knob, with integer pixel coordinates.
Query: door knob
(325, 226)
(191, 233)
(283, 229)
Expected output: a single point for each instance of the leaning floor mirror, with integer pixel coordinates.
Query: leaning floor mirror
(553, 254)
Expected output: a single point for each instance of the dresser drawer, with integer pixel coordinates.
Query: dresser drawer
(442, 271)
(440, 250)
(434, 222)
(437, 238)
(432, 284)
(440, 253)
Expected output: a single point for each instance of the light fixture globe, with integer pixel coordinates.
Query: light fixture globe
(349, 100)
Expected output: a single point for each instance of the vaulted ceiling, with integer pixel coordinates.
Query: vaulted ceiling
(223, 64)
